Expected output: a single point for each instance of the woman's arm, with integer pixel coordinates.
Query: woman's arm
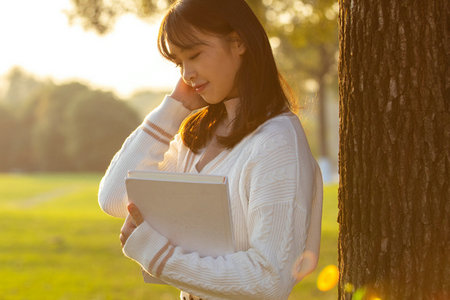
(277, 223)
(145, 148)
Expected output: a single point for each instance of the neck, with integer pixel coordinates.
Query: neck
(231, 105)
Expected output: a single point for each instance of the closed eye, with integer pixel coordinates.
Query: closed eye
(194, 56)
(178, 64)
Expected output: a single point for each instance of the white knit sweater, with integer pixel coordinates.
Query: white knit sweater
(275, 190)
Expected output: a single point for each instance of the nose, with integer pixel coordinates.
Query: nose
(188, 74)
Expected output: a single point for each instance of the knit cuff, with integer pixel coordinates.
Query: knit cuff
(146, 246)
(167, 117)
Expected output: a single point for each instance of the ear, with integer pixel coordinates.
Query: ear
(236, 43)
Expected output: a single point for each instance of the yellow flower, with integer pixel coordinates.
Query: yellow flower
(328, 278)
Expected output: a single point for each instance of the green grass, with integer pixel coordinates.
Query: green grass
(56, 243)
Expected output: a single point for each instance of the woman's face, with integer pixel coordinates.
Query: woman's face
(210, 66)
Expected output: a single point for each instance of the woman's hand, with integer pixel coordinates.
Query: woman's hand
(187, 95)
(133, 220)
(304, 265)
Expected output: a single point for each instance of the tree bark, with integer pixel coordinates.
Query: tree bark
(394, 191)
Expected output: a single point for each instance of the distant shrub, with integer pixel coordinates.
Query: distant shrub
(8, 130)
(62, 128)
(97, 124)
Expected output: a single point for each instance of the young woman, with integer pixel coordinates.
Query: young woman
(228, 115)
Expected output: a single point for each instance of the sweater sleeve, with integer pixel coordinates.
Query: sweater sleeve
(277, 223)
(150, 146)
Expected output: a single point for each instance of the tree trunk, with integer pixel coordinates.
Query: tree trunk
(394, 192)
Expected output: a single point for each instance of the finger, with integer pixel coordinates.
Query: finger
(135, 213)
(126, 230)
(129, 220)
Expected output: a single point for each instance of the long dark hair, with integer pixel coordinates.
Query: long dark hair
(262, 90)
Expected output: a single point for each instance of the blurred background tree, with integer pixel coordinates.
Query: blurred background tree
(21, 85)
(302, 33)
(68, 127)
(21, 146)
(8, 125)
(97, 124)
(48, 132)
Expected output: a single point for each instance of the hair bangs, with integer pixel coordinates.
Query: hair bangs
(177, 31)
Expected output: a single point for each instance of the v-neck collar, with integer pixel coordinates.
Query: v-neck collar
(210, 164)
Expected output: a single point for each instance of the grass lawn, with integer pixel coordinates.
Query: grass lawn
(56, 243)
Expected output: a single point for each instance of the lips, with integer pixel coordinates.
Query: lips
(199, 88)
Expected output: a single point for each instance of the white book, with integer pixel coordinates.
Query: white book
(191, 210)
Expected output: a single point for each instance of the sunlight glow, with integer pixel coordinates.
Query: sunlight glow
(36, 35)
(328, 278)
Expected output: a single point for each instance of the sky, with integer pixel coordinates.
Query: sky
(36, 35)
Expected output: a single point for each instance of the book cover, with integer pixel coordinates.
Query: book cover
(191, 210)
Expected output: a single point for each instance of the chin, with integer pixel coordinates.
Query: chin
(210, 100)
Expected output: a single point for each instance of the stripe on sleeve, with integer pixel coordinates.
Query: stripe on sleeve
(155, 136)
(159, 129)
(157, 256)
(163, 262)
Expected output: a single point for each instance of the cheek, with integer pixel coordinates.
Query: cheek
(229, 67)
